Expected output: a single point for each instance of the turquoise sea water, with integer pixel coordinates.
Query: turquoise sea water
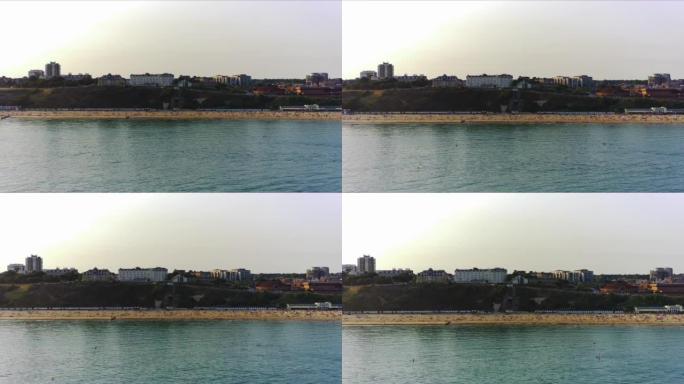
(169, 352)
(513, 158)
(169, 156)
(512, 354)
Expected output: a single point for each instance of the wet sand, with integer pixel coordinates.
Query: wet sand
(523, 118)
(172, 115)
(109, 315)
(510, 319)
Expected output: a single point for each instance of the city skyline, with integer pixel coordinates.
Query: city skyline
(175, 231)
(518, 37)
(609, 234)
(229, 37)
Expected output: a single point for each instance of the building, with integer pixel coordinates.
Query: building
(273, 286)
(677, 308)
(98, 275)
(57, 272)
(385, 71)
(52, 69)
(138, 274)
(487, 81)
(577, 276)
(619, 288)
(476, 275)
(151, 80)
(34, 263)
(36, 73)
(582, 81)
(370, 75)
(365, 264)
(77, 77)
(317, 273)
(410, 78)
(237, 274)
(111, 81)
(316, 78)
(661, 274)
(18, 268)
(667, 288)
(323, 287)
(433, 276)
(446, 81)
(350, 269)
(393, 272)
(242, 80)
(659, 80)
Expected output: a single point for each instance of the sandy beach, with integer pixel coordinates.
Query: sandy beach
(523, 118)
(510, 319)
(110, 315)
(170, 115)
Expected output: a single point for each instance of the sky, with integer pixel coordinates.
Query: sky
(606, 40)
(607, 233)
(276, 39)
(266, 233)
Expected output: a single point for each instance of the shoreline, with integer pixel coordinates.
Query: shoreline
(513, 319)
(498, 118)
(169, 315)
(171, 115)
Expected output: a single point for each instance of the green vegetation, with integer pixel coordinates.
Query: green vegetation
(115, 294)
(490, 100)
(154, 98)
(11, 277)
(435, 296)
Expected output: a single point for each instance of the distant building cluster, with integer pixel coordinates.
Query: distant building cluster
(316, 84)
(658, 85)
(316, 279)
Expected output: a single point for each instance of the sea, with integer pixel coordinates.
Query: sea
(513, 158)
(170, 156)
(169, 352)
(512, 354)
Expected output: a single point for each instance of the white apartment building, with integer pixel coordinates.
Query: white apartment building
(138, 274)
(370, 75)
(241, 80)
(487, 81)
(18, 268)
(37, 73)
(577, 276)
(432, 276)
(476, 275)
(385, 71)
(151, 80)
(366, 264)
(446, 81)
(34, 263)
(238, 274)
(98, 275)
(52, 69)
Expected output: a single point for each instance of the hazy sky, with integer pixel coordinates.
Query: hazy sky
(262, 232)
(611, 39)
(609, 233)
(260, 38)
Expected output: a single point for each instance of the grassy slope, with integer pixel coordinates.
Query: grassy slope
(83, 294)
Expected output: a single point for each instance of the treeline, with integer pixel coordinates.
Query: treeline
(115, 294)
(476, 297)
(428, 99)
(153, 98)
(374, 278)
